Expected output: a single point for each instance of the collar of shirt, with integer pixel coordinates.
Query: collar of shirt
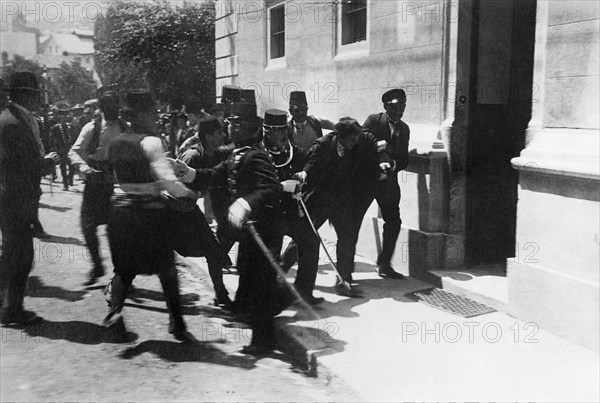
(340, 149)
(299, 125)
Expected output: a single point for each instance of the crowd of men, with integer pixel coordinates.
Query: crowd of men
(262, 178)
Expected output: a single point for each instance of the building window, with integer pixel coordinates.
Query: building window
(277, 32)
(354, 21)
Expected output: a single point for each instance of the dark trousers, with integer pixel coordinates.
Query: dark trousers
(67, 171)
(16, 261)
(345, 214)
(307, 247)
(192, 236)
(387, 194)
(258, 294)
(168, 279)
(94, 212)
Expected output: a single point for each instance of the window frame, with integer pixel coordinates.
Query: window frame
(358, 48)
(281, 60)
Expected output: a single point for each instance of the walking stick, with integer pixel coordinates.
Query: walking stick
(265, 250)
(346, 285)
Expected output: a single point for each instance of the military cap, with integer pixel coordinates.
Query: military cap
(243, 111)
(275, 118)
(78, 107)
(247, 96)
(298, 98)
(24, 81)
(393, 96)
(231, 93)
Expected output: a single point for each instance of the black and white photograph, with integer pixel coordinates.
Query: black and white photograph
(300, 201)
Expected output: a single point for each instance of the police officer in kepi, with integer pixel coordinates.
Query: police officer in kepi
(249, 179)
(389, 128)
(289, 159)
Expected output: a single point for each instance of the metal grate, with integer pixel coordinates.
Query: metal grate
(452, 303)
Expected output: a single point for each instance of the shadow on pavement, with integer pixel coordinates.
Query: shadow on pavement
(37, 289)
(61, 239)
(76, 332)
(55, 208)
(197, 351)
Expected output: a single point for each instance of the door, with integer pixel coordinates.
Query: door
(497, 74)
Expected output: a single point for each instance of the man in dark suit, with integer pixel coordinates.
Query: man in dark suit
(343, 166)
(390, 128)
(21, 169)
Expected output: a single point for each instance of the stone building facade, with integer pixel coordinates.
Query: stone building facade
(503, 105)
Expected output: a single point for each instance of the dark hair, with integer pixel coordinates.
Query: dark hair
(348, 126)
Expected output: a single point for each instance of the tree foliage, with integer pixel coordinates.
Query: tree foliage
(170, 49)
(72, 84)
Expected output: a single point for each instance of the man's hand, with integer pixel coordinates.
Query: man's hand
(290, 185)
(239, 212)
(53, 156)
(381, 145)
(385, 167)
(182, 170)
(300, 176)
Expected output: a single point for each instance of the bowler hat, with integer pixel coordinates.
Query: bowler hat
(393, 96)
(139, 100)
(298, 98)
(275, 118)
(24, 81)
(208, 124)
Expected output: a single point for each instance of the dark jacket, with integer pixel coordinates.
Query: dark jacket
(21, 166)
(363, 170)
(255, 180)
(377, 124)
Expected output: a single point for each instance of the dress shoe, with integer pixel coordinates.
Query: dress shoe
(19, 317)
(346, 290)
(311, 300)
(387, 271)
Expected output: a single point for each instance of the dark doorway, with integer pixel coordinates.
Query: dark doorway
(501, 78)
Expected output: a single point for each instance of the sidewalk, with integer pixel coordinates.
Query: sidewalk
(389, 347)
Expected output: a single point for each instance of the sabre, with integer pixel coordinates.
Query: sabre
(265, 250)
(344, 283)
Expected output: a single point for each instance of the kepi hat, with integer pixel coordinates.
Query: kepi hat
(275, 118)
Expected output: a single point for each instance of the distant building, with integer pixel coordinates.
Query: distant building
(67, 47)
(501, 194)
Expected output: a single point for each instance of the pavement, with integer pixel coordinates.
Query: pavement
(383, 347)
(387, 346)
